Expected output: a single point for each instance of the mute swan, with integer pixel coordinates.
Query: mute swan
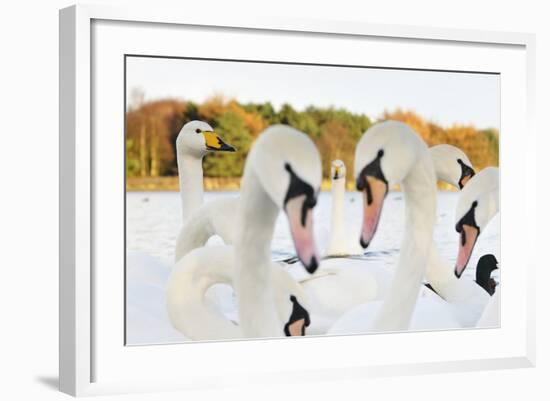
(485, 266)
(479, 202)
(390, 153)
(282, 171)
(491, 314)
(339, 244)
(466, 298)
(474, 211)
(451, 165)
(195, 140)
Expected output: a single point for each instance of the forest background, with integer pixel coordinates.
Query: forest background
(152, 128)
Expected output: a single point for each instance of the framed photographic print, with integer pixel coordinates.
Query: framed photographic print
(271, 200)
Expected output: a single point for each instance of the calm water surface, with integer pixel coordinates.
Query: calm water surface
(154, 220)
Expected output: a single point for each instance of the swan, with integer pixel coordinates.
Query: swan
(466, 298)
(474, 211)
(485, 266)
(491, 314)
(451, 165)
(390, 153)
(479, 201)
(195, 140)
(339, 244)
(282, 171)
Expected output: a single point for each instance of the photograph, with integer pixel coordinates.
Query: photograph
(269, 199)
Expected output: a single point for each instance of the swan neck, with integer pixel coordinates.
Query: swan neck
(419, 191)
(191, 183)
(337, 235)
(186, 290)
(256, 223)
(439, 273)
(256, 220)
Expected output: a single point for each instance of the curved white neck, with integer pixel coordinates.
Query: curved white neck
(191, 183)
(466, 296)
(420, 204)
(337, 242)
(444, 171)
(256, 222)
(186, 292)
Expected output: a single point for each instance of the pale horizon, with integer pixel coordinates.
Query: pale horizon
(446, 98)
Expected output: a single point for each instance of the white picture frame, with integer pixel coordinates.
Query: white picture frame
(93, 359)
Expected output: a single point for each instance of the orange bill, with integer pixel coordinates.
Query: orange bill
(300, 219)
(464, 180)
(468, 238)
(373, 200)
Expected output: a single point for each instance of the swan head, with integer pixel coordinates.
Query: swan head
(384, 156)
(338, 170)
(287, 165)
(485, 266)
(198, 138)
(291, 301)
(451, 165)
(477, 204)
(298, 320)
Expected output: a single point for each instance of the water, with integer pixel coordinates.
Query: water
(154, 221)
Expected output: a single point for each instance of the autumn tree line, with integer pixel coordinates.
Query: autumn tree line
(152, 128)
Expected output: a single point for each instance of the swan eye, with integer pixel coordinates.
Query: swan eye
(198, 130)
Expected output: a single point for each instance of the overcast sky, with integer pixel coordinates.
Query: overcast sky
(443, 97)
